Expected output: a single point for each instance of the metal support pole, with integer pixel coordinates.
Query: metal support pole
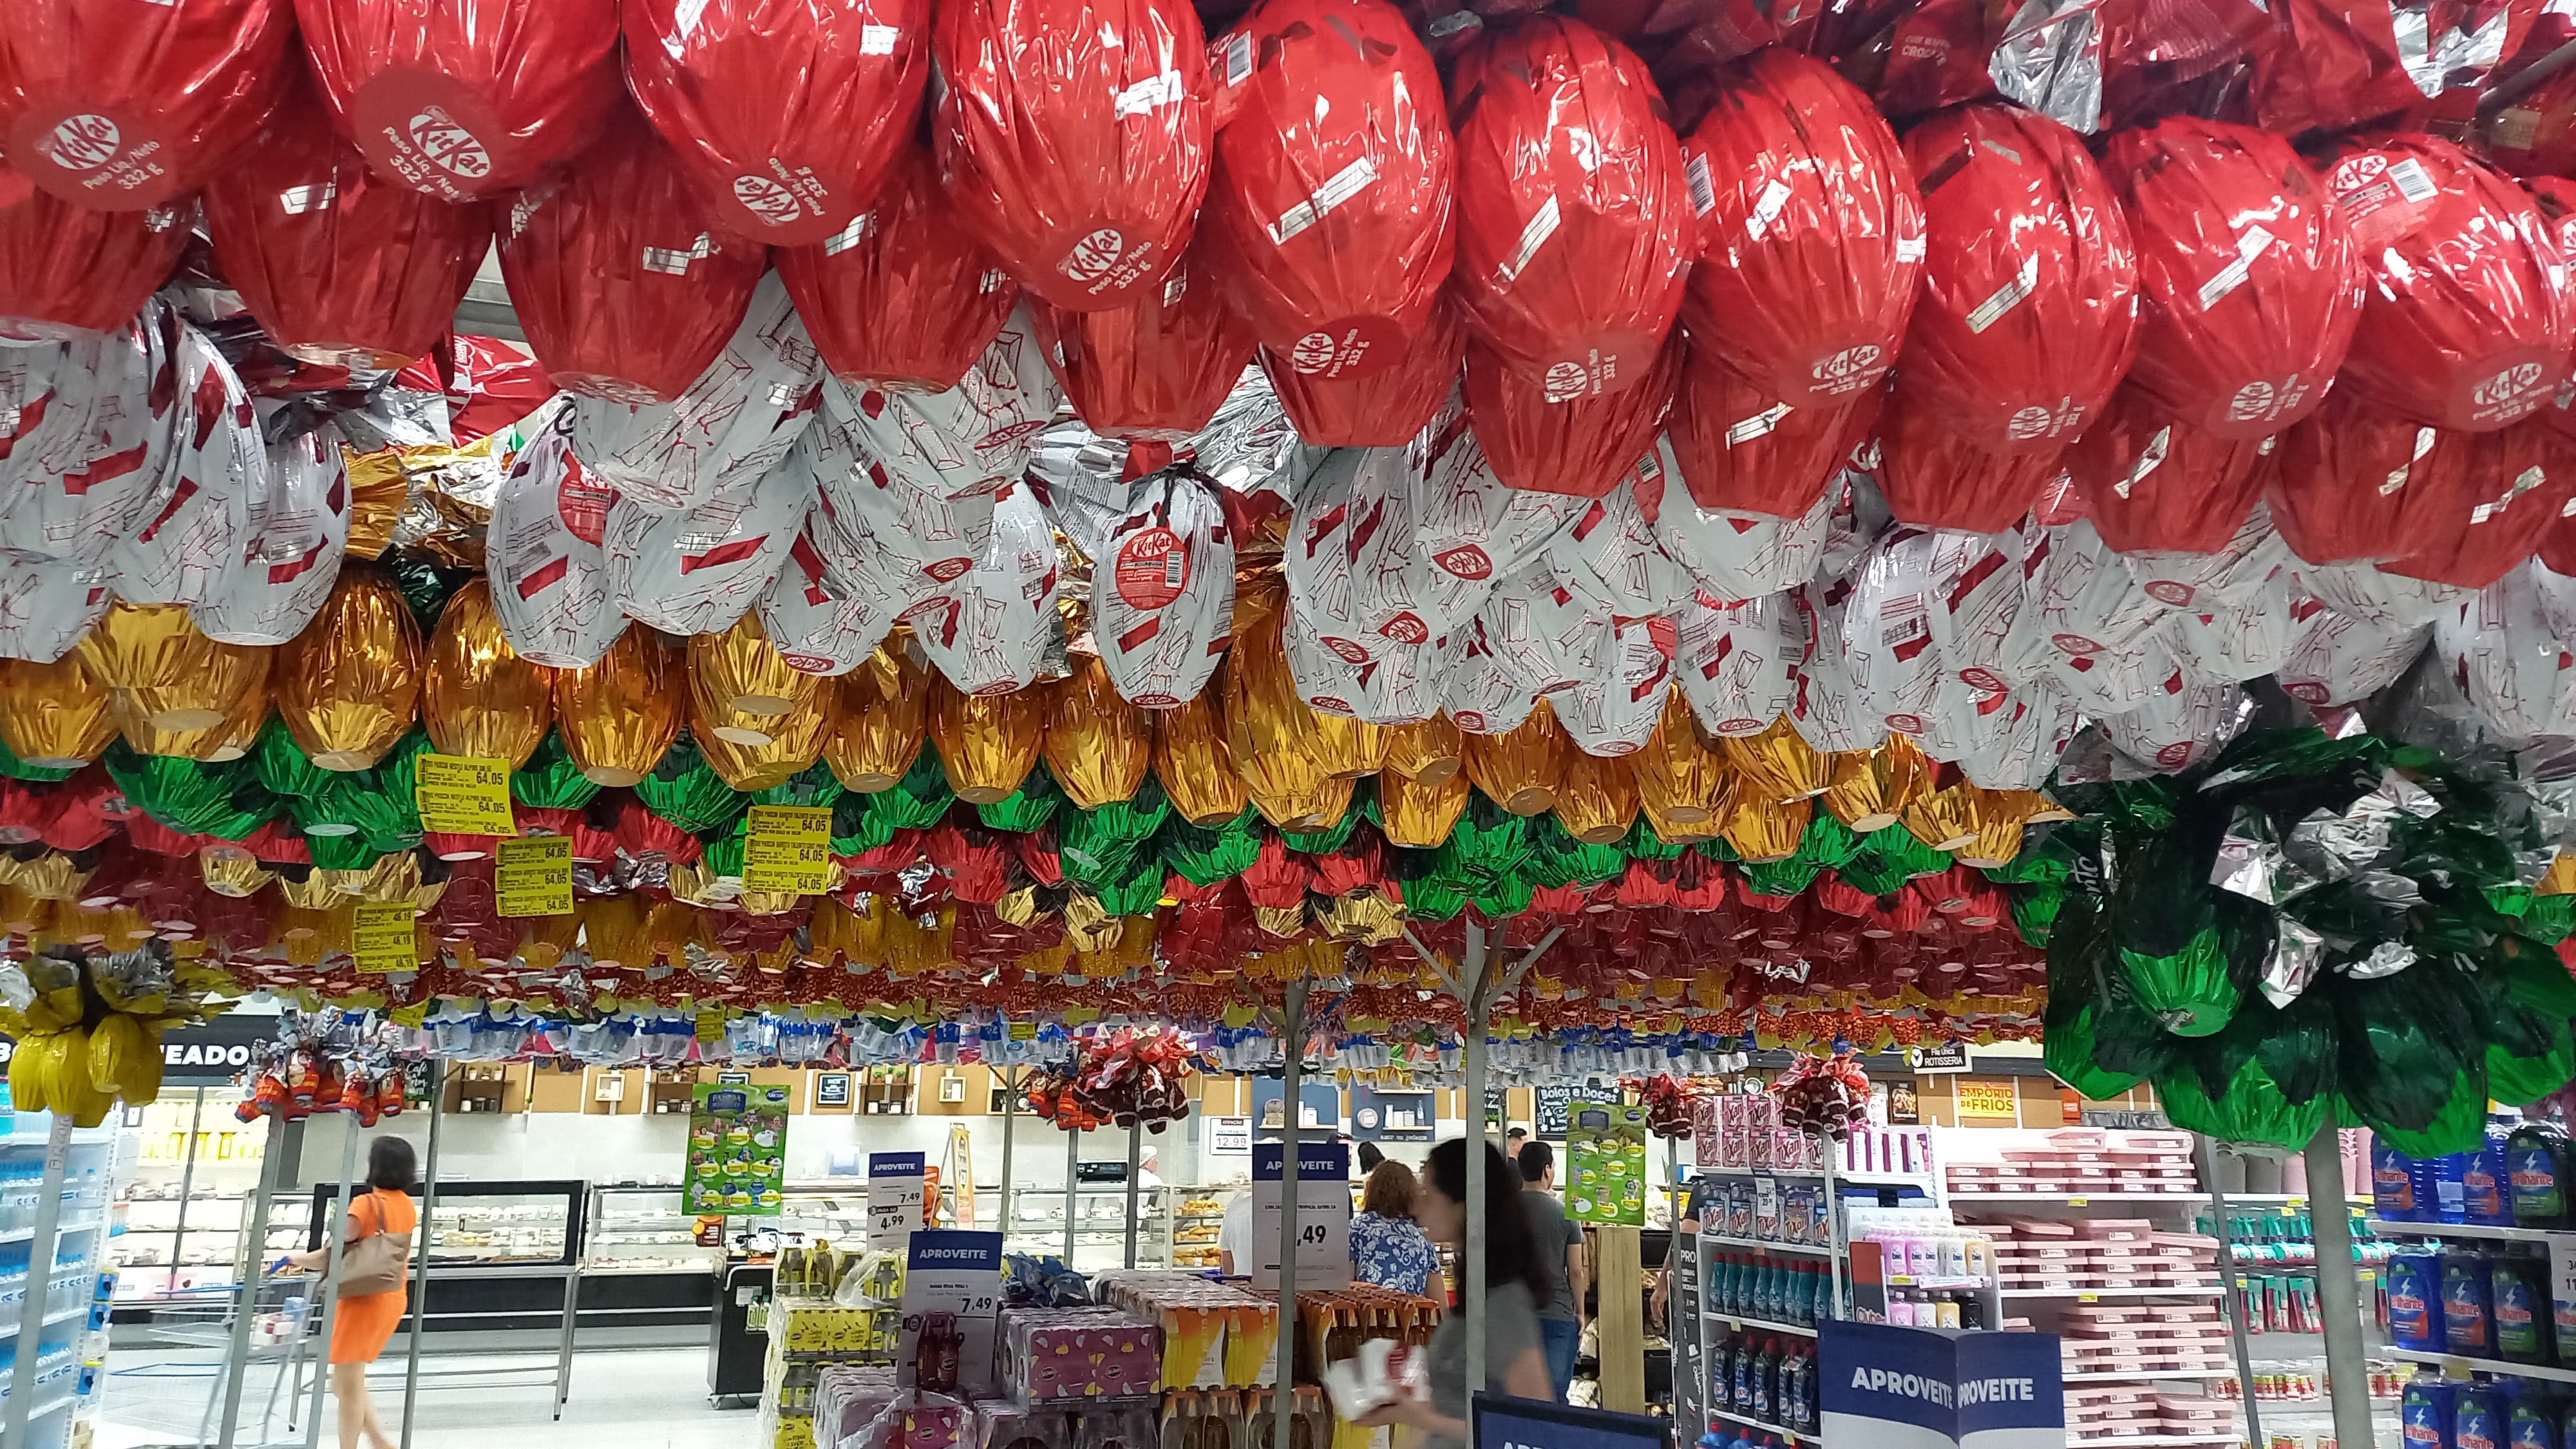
(335, 1244)
(420, 1247)
(571, 1323)
(282, 1140)
(1010, 1120)
(41, 1251)
(1072, 1171)
(2205, 1159)
(1471, 1251)
(2338, 1289)
(187, 1181)
(1135, 1161)
(1293, 1028)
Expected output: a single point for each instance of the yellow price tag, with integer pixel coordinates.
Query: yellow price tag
(384, 937)
(534, 876)
(789, 849)
(1081, 1015)
(2079, 1202)
(1024, 1031)
(711, 1024)
(2088, 1297)
(464, 794)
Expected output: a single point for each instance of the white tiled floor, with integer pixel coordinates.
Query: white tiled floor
(633, 1398)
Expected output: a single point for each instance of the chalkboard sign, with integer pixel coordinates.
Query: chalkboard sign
(1493, 1106)
(1555, 1107)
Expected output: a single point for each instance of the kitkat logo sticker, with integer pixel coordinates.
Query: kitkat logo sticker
(1152, 570)
(1406, 628)
(948, 570)
(1093, 256)
(767, 200)
(2356, 172)
(82, 143)
(448, 144)
(1466, 561)
(1350, 651)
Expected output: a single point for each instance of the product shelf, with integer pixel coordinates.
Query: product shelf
(2386, 1228)
(1801, 1250)
(2497, 1366)
(2081, 1199)
(1765, 1425)
(2124, 1376)
(2087, 1295)
(1762, 1325)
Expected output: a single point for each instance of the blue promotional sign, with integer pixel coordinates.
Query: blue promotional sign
(896, 1164)
(1499, 1421)
(1323, 1214)
(952, 1284)
(1915, 1388)
(1314, 1160)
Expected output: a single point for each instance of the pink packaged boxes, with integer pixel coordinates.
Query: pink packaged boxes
(1051, 1354)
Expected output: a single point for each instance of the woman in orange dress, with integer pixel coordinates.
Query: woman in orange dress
(364, 1321)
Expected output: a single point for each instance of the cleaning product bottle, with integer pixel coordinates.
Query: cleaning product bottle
(1741, 1391)
(2425, 1410)
(2478, 1420)
(2536, 1161)
(2450, 1188)
(2468, 1321)
(2486, 1184)
(2518, 1296)
(2392, 1183)
(2415, 1300)
(2534, 1419)
(1766, 1372)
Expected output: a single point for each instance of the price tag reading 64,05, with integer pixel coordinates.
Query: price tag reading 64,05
(534, 876)
(788, 848)
(463, 794)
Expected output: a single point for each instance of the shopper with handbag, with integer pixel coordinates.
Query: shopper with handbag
(375, 1260)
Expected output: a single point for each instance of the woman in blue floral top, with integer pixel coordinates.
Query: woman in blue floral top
(1387, 1246)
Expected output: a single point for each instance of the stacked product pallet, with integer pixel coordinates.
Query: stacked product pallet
(2143, 1339)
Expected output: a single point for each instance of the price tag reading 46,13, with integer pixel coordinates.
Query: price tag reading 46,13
(534, 876)
(463, 794)
(789, 848)
(384, 939)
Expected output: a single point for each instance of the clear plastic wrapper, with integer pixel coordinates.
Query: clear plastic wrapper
(730, 426)
(1583, 446)
(1155, 367)
(190, 530)
(2027, 318)
(625, 293)
(123, 107)
(1330, 219)
(67, 271)
(339, 267)
(1075, 138)
(1162, 592)
(697, 572)
(788, 159)
(467, 98)
(989, 633)
(1812, 233)
(1573, 241)
(970, 439)
(2249, 281)
(2468, 322)
(297, 526)
(899, 298)
(550, 581)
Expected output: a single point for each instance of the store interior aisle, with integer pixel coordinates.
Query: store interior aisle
(635, 1398)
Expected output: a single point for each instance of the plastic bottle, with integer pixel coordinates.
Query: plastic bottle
(2450, 1188)
(2392, 1184)
(1792, 1394)
(1766, 1382)
(2468, 1322)
(1740, 1392)
(2533, 1422)
(2415, 1300)
(2425, 1410)
(2518, 1295)
(2478, 1419)
(2486, 1183)
(1947, 1311)
(1719, 1290)
(1900, 1309)
(2536, 1163)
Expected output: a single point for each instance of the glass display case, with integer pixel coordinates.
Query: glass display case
(1100, 1224)
(489, 1224)
(643, 1229)
(178, 1213)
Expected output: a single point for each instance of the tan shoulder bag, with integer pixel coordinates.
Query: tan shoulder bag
(373, 1263)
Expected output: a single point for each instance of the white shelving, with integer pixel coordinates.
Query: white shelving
(2127, 1376)
(1765, 1425)
(2387, 1229)
(1762, 1325)
(2074, 1199)
(2087, 1295)
(2482, 1365)
(1798, 1250)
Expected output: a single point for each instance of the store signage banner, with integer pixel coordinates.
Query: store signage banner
(1605, 1154)
(894, 1198)
(1323, 1214)
(1986, 1100)
(952, 1286)
(1914, 1388)
(737, 1149)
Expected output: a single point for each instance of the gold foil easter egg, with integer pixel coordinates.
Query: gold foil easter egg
(1097, 744)
(1762, 829)
(1193, 763)
(788, 742)
(1273, 735)
(884, 712)
(350, 683)
(54, 715)
(1597, 803)
(1417, 814)
(1522, 768)
(987, 742)
(1871, 787)
(478, 697)
(1682, 784)
(1426, 751)
(740, 687)
(228, 738)
(178, 679)
(620, 716)
(1777, 764)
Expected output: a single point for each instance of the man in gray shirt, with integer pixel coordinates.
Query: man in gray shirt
(1558, 1245)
